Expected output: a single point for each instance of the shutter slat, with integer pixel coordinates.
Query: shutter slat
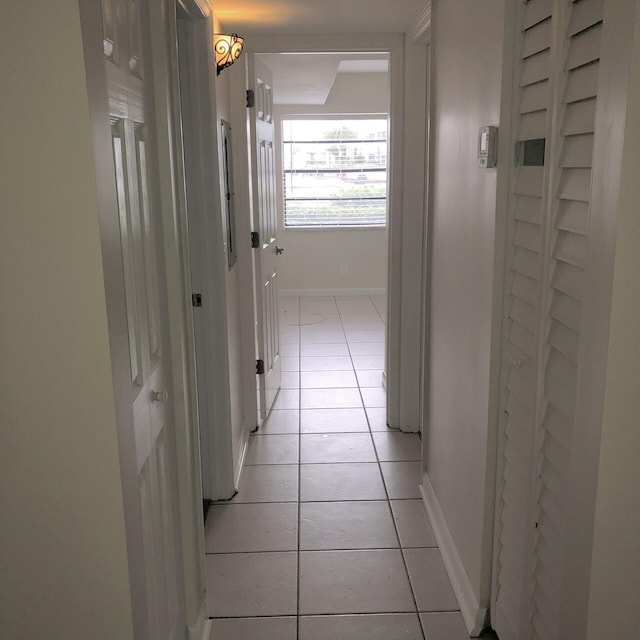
(564, 339)
(524, 288)
(568, 279)
(517, 411)
(548, 565)
(512, 498)
(550, 509)
(522, 338)
(584, 47)
(562, 399)
(582, 83)
(526, 262)
(575, 184)
(523, 313)
(520, 438)
(556, 424)
(536, 11)
(547, 546)
(541, 630)
(536, 68)
(571, 248)
(528, 209)
(584, 15)
(566, 309)
(527, 236)
(536, 39)
(579, 117)
(529, 181)
(515, 471)
(561, 368)
(545, 601)
(549, 535)
(534, 97)
(519, 384)
(577, 151)
(533, 125)
(573, 216)
(556, 455)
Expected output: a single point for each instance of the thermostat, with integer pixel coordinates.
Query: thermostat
(488, 147)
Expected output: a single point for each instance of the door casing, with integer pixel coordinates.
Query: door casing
(403, 329)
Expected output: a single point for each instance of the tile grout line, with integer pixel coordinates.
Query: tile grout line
(373, 444)
(299, 472)
(395, 525)
(387, 499)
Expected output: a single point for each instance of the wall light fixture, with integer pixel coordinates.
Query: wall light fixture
(228, 49)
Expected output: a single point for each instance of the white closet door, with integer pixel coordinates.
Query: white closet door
(568, 242)
(548, 242)
(515, 523)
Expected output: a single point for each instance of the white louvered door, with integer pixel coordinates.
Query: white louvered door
(515, 518)
(549, 209)
(569, 208)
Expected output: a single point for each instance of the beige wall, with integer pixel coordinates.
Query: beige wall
(467, 87)
(63, 559)
(615, 571)
(313, 258)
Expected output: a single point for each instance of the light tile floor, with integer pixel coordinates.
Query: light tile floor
(327, 538)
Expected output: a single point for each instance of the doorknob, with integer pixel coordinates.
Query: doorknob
(279, 250)
(159, 396)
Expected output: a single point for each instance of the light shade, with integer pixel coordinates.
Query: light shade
(228, 49)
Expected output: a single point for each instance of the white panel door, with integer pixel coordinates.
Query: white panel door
(125, 39)
(265, 224)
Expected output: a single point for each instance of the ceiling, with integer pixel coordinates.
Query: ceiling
(290, 17)
(306, 79)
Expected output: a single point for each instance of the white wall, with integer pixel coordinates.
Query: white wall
(615, 570)
(467, 39)
(239, 424)
(62, 539)
(313, 258)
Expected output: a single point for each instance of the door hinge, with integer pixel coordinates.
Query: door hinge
(260, 367)
(251, 98)
(196, 300)
(255, 239)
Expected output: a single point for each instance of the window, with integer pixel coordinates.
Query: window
(335, 173)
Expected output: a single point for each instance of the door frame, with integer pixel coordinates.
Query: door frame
(423, 37)
(162, 68)
(199, 201)
(405, 232)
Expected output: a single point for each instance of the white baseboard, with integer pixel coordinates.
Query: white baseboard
(474, 615)
(332, 292)
(242, 454)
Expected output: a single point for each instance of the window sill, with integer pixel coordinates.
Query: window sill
(337, 228)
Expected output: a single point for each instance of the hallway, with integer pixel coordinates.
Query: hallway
(327, 538)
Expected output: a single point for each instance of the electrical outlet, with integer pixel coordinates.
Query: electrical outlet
(344, 270)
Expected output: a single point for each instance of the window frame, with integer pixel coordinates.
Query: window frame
(340, 117)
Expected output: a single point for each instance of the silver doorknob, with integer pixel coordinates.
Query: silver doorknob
(515, 362)
(159, 396)
(279, 250)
